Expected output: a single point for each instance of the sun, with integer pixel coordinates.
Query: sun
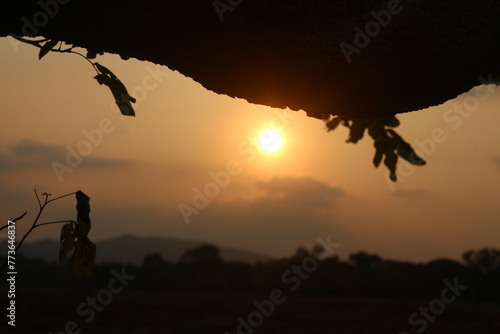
(270, 140)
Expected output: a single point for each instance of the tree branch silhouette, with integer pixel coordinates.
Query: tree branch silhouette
(73, 234)
(104, 75)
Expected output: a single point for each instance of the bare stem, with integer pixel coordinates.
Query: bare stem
(35, 225)
(37, 44)
(37, 198)
(61, 197)
(15, 220)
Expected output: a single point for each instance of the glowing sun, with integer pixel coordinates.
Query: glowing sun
(270, 140)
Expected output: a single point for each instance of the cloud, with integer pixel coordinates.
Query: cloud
(27, 147)
(291, 212)
(32, 154)
(288, 213)
(406, 193)
(495, 160)
(299, 192)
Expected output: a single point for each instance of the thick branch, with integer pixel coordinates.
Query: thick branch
(286, 53)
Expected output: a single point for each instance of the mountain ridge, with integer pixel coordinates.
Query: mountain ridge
(129, 249)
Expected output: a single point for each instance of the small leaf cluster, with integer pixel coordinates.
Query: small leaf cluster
(104, 75)
(74, 233)
(389, 145)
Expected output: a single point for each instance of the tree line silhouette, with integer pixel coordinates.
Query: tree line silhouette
(365, 275)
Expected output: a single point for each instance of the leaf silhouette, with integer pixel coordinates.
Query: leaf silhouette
(391, 159)
(47, 47)
(357, 131)
(405, 150)
(332, 124)
(104, 70)
(118, 89)
(82, 215)
(85, 250)
(67, 241)
(91, 55)
(389, 145)
(391, 121)
(376, 130)
(83, 258)
(379, 152)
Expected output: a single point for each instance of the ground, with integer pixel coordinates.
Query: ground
(48, 311)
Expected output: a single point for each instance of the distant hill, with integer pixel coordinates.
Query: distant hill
(129, 249)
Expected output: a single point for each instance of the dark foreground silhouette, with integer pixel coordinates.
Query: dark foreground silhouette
(302, 294)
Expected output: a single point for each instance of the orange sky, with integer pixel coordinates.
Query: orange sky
(141, 169)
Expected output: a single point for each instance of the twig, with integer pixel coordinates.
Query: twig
(52, 200)
(15, 220)
(35, 225)
(37, 44)
(37, 198)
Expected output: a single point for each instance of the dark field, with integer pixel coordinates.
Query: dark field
(132, 311)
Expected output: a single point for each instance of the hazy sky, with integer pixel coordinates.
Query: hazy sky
(140, 170)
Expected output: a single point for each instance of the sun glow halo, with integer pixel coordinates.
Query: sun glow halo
(270, 140)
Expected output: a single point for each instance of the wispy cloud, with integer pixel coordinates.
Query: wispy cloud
(32, 154)
(299, 192)
(495, 160)
(290, 212)
(27, 147)
(410, 193)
